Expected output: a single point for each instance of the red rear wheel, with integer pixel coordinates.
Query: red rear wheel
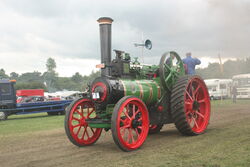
(190, 105)
(130, 123)
(76, 127)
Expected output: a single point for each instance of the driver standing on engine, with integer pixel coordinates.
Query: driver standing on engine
(191, 63)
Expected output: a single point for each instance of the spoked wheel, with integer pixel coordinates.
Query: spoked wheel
(155, 128)
(171, 67)
(76, 127)
(130, 123)
(190, 105)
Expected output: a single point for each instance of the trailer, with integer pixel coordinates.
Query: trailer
(242, 83)
(219, 88)
(30, 95)
(9, 106)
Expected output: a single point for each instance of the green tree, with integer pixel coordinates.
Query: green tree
(50, 76)
(14, 75)
(51, 64)
(31, 77)
(3, 75)
(230, 68)
(77, 77)
(30, 85)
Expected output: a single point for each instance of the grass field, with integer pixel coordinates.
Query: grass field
(42, 139)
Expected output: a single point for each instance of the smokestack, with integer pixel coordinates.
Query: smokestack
(105, 39)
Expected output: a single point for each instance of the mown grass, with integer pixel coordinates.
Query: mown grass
(21, 124)
(229, 102)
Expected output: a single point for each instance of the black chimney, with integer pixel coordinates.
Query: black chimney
(105, 38)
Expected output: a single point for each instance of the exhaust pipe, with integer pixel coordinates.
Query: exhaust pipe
(105, 39)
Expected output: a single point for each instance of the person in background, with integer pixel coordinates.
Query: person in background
(190, 63)
(234, 93)
(169, 60)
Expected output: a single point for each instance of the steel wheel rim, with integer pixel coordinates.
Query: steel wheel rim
(197, 105)
(130, 113)
(79, 129)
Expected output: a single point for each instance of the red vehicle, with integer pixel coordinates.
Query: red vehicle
(30, 95)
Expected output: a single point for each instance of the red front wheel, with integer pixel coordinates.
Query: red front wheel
(76, 127)
(130, 123)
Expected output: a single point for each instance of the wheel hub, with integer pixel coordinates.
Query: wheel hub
(196, 105)
(135, 123)
(83, 122)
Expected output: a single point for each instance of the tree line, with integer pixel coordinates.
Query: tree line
(226, 70)
(50, 80)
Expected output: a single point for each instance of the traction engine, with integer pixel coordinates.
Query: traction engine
(134, 100)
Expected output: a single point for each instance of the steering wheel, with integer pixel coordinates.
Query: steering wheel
(171, 67)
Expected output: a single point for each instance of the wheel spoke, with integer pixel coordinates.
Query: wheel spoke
(131, 134)
(167, 66)
(123, 121)
(126, 126)
(74, 118)
(168, 77)
(137, 133)
(140, 127)
(196, 93)
(188, 105)
(76, 126)
(92, 131)
(189, 95)
(195, 122)
(175, 73)
(128, 137)
(137, 112)
(202, 101)
(202, 116)
(189, 120)
(90, 112)
(122, 131)
(79, 113)
(192, 90)
(81, 108)
(133, 112)
(126, 114)
(188, 112)
(78, 130)
(84, 132)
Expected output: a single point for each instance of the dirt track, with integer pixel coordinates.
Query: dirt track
(52, 148)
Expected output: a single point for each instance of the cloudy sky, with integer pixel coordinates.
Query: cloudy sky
(31, 31)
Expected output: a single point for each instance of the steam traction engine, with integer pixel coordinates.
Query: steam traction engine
(135, 100)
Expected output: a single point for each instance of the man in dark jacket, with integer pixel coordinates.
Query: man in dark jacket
(191, 63)
(234, 93)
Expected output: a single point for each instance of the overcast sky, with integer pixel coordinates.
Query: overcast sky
(31, 31)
